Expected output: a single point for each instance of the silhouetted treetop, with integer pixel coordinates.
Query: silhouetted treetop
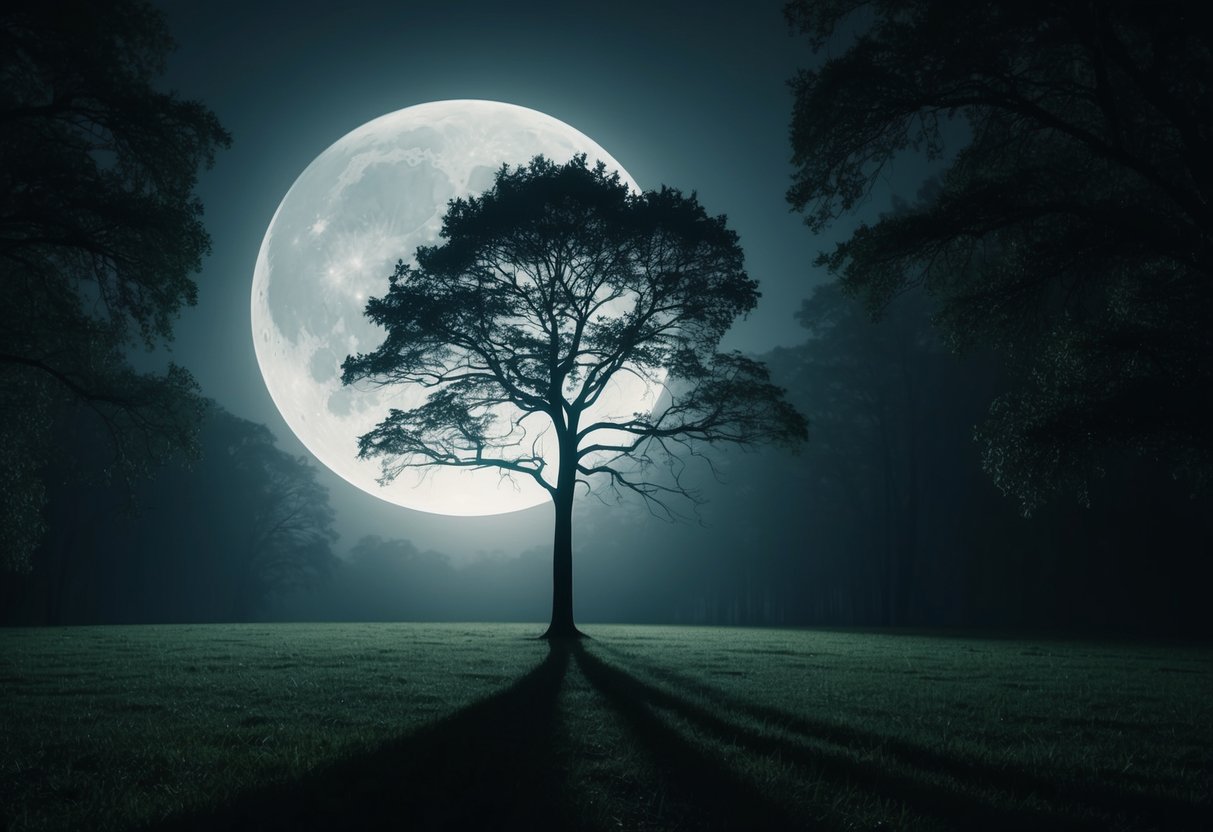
(1126, 83)
(546, 288)
(1073, 227)
(100, 165)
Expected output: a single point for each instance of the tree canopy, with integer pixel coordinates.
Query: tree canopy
(1072, 227)
(283, 522)
(100, 232)
(546, 289)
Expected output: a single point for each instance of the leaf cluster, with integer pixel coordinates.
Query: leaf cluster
(1071, 228)
(100, 230)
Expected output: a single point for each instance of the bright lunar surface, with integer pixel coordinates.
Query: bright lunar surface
(369, 200)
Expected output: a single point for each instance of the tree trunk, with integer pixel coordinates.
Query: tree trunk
(562, 568)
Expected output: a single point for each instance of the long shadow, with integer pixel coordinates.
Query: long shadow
(488, 766)
(498, 764)
(954, 809)
(715, 796)
(1173, 812)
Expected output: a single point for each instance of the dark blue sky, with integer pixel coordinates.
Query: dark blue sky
(691, 95)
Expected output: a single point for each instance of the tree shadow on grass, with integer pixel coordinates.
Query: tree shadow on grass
(835, 769)
(708, 793)
(497, 764)
(488, 766)
(501, 764)
(1154, 810)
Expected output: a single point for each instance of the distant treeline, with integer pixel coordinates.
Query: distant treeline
(211, 541)
(885, 518)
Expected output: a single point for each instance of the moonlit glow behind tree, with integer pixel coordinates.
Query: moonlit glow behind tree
(366, 202)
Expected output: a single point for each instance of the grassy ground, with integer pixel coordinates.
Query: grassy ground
(482, 726)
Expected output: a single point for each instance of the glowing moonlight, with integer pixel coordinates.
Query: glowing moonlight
(369, 200)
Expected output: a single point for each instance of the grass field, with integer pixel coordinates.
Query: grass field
(482, 726)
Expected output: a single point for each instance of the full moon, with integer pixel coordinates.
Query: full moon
(367, 201)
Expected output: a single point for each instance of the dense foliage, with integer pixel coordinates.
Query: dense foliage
(99, 234)
(1072, 228)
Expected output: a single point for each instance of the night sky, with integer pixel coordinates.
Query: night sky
(695, 101)
(936, 546)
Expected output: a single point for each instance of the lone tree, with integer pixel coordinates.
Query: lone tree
(550, 285)
(1073, 228)
(100, 231)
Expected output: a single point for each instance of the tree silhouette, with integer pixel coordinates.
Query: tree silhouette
(99, 233)
(547, 288)
(1073, 229)
(284, 517)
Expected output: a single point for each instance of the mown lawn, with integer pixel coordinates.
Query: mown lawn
(422, 726)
